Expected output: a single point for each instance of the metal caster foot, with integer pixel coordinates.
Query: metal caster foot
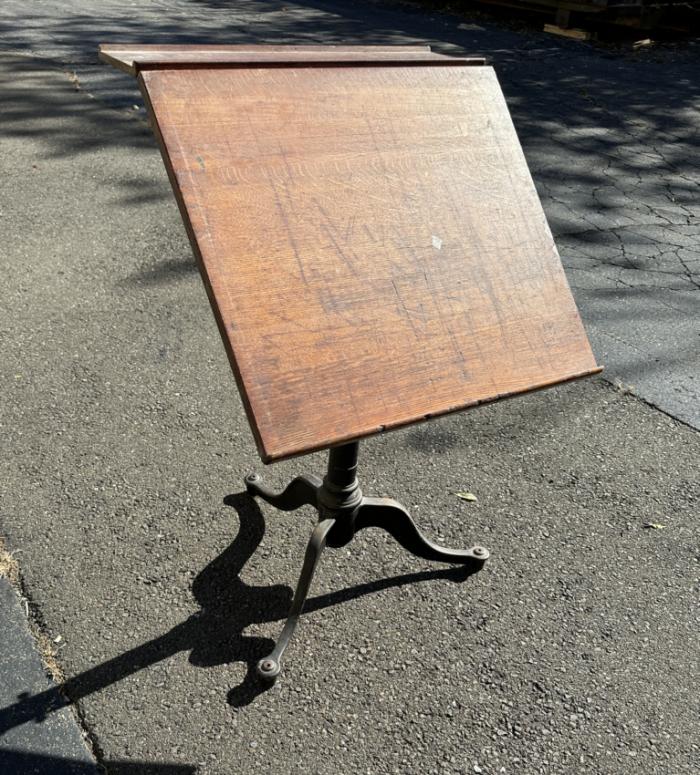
(268, 669)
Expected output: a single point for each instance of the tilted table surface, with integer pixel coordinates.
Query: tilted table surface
(371, 240)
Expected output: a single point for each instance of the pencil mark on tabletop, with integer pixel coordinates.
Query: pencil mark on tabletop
(331, 231)
(279, 206)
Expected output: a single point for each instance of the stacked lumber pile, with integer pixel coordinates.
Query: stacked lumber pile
(567, 15)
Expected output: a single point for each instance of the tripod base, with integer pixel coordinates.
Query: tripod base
(343, 511)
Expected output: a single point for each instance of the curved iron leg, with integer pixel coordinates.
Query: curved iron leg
(393, 517)
(269, 667)
(301, 491)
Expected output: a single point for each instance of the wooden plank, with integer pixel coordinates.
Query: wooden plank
(130, 58)
(567, 32)
(578, 6)
(543, 6)
(372, 243)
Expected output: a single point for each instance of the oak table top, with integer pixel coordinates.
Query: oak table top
(368, 232)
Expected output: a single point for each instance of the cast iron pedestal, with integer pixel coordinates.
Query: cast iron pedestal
(343, 510)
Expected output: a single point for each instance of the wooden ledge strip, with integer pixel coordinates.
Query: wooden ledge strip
(132, 59)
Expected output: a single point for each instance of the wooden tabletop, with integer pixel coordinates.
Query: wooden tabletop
(369, 235)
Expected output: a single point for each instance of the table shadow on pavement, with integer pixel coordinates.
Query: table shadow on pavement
(213, 635)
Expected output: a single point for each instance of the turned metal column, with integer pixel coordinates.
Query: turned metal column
(340, 496)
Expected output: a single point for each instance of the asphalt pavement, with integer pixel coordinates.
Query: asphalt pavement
(125, 443)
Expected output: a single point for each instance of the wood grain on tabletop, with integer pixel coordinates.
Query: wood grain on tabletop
(371, 240)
